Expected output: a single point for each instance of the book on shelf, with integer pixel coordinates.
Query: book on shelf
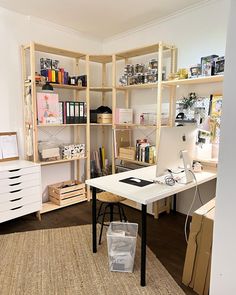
(72, 112)
(145, 152)
(100, 163)
(48, 108)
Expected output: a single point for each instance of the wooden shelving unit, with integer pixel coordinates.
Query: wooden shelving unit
(61, 125)
(45, 163)
(103, 90)
(64, 86)
(161, 50)
(49, 206)
(134, 161)
(30, 109)
(138, 86)
(200, 80)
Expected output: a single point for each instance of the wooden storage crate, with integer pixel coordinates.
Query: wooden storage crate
(68, 192)
(127, 153)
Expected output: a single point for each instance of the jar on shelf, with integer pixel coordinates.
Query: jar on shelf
(153, 64)
(129, 70)
(139, 68)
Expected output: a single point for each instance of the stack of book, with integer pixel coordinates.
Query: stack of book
(59, 76)
(99, 163)
(72, 112)
(145, 152)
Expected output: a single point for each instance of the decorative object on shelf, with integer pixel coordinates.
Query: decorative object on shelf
(141, 73)
(45, 63)
(153, 64)
(72, 151)
(124, 116)
(186, 109)
(48, 108)
(67, 192)
(104, 118)
(219, 65)
(195, 71)
(189, 101)
(181, 74)
(47, 87)
(148, 118)
(208, 65)
(216, 105)
(104, 115)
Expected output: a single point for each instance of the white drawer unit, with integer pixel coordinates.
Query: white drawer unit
(20, 189)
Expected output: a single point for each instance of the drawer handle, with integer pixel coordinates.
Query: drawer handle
(16, 191)
(15, 183)
(15, 200)
(14, 177)
(16, 208)
(14, 170)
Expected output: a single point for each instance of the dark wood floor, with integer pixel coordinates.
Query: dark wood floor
(165, 236)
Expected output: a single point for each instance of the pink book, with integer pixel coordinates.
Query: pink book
(48, 108)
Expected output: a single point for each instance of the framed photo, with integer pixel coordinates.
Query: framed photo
(216, 105)
(8, 146)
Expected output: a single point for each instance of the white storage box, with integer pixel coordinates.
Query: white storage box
(124, 116)
(121, 241)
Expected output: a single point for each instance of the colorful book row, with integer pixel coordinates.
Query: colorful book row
(145, 152)
(56, 76)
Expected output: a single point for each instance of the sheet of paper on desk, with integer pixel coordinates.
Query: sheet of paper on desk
(8, 144)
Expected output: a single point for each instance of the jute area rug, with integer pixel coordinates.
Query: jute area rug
(60, 261)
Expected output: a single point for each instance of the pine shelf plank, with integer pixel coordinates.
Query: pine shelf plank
(49, 206)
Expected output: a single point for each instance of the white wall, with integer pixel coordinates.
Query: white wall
(16, 30)
(195, 32)
(224, 239)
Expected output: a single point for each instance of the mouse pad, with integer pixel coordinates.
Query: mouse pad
(140, 184)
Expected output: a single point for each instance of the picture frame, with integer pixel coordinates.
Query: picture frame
(8, 146)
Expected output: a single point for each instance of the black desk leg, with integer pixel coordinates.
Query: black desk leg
(174, 203)
(143, 245)
(94, 220)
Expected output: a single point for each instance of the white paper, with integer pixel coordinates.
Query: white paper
(8, 145)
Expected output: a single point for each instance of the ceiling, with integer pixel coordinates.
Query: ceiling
(99, 18)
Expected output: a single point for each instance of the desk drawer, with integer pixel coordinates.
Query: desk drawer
(19, 202)
(7, 185)
(20, 185)
(20, 193)
(20, 211)
(18, 172)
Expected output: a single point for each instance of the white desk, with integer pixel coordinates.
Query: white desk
(143, 195)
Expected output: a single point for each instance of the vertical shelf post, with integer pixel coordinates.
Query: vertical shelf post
(34, 100)
(113, 108)
(88, 125)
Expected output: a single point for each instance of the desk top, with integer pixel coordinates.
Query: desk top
(149, 193)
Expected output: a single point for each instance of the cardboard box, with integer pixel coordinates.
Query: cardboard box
(196, 272)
